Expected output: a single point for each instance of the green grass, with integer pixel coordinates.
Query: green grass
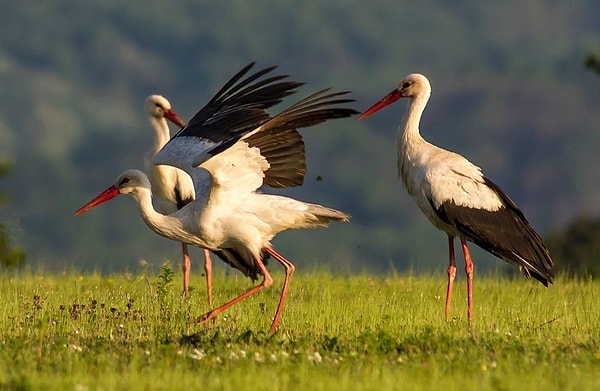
(71, 332)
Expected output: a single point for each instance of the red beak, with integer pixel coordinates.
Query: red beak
(106, 195)
(385, 101)
(173, 117)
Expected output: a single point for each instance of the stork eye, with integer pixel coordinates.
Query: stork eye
(123, 181)
(406, 84)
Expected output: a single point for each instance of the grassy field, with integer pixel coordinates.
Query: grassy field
(89, 332)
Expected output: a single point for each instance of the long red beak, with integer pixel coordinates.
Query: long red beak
(106, 195)
(385, 101)
(175, 118)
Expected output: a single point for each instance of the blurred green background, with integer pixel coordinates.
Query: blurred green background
(510, 92)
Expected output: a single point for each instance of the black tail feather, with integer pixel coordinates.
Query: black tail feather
(242, 260)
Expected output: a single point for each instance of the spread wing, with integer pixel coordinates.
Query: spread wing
(236, 109)
(242, 168)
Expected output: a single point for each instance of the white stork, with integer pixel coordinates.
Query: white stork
(230, 148)
(459, 200)
(172, 188)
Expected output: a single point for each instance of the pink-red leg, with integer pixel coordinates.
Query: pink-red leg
(266, 282)
(289, 271)
(208, 274)
(469, 272)
(451, 274)
(186, 265)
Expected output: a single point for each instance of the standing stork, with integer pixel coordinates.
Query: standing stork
(459, 200)
(230, 148)
(172, 188)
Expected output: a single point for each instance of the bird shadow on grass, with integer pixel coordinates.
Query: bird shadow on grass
(215, 336)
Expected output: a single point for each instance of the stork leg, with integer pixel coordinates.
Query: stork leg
(208, 274)
(266, 282)
(289, 271)
(186, 265)
(469, 273)
(451, 274)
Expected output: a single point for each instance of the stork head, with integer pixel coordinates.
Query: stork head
(158, 106)
(129, 182)
(412, 86)
(132, 180)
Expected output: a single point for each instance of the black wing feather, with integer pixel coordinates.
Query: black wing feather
(180, 201)
(239, 106)
(505, 233)
(285, 153)
(242, 260)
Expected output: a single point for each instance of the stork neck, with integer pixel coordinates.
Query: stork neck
(410, 142)
(409, 131)
(161, 132)
(157, 222)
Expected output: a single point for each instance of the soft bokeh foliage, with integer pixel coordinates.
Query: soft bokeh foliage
(509, 92)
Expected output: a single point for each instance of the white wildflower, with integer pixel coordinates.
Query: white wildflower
(316, 357)
(198, 354)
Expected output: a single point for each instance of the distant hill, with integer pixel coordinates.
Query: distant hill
(510, 92)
